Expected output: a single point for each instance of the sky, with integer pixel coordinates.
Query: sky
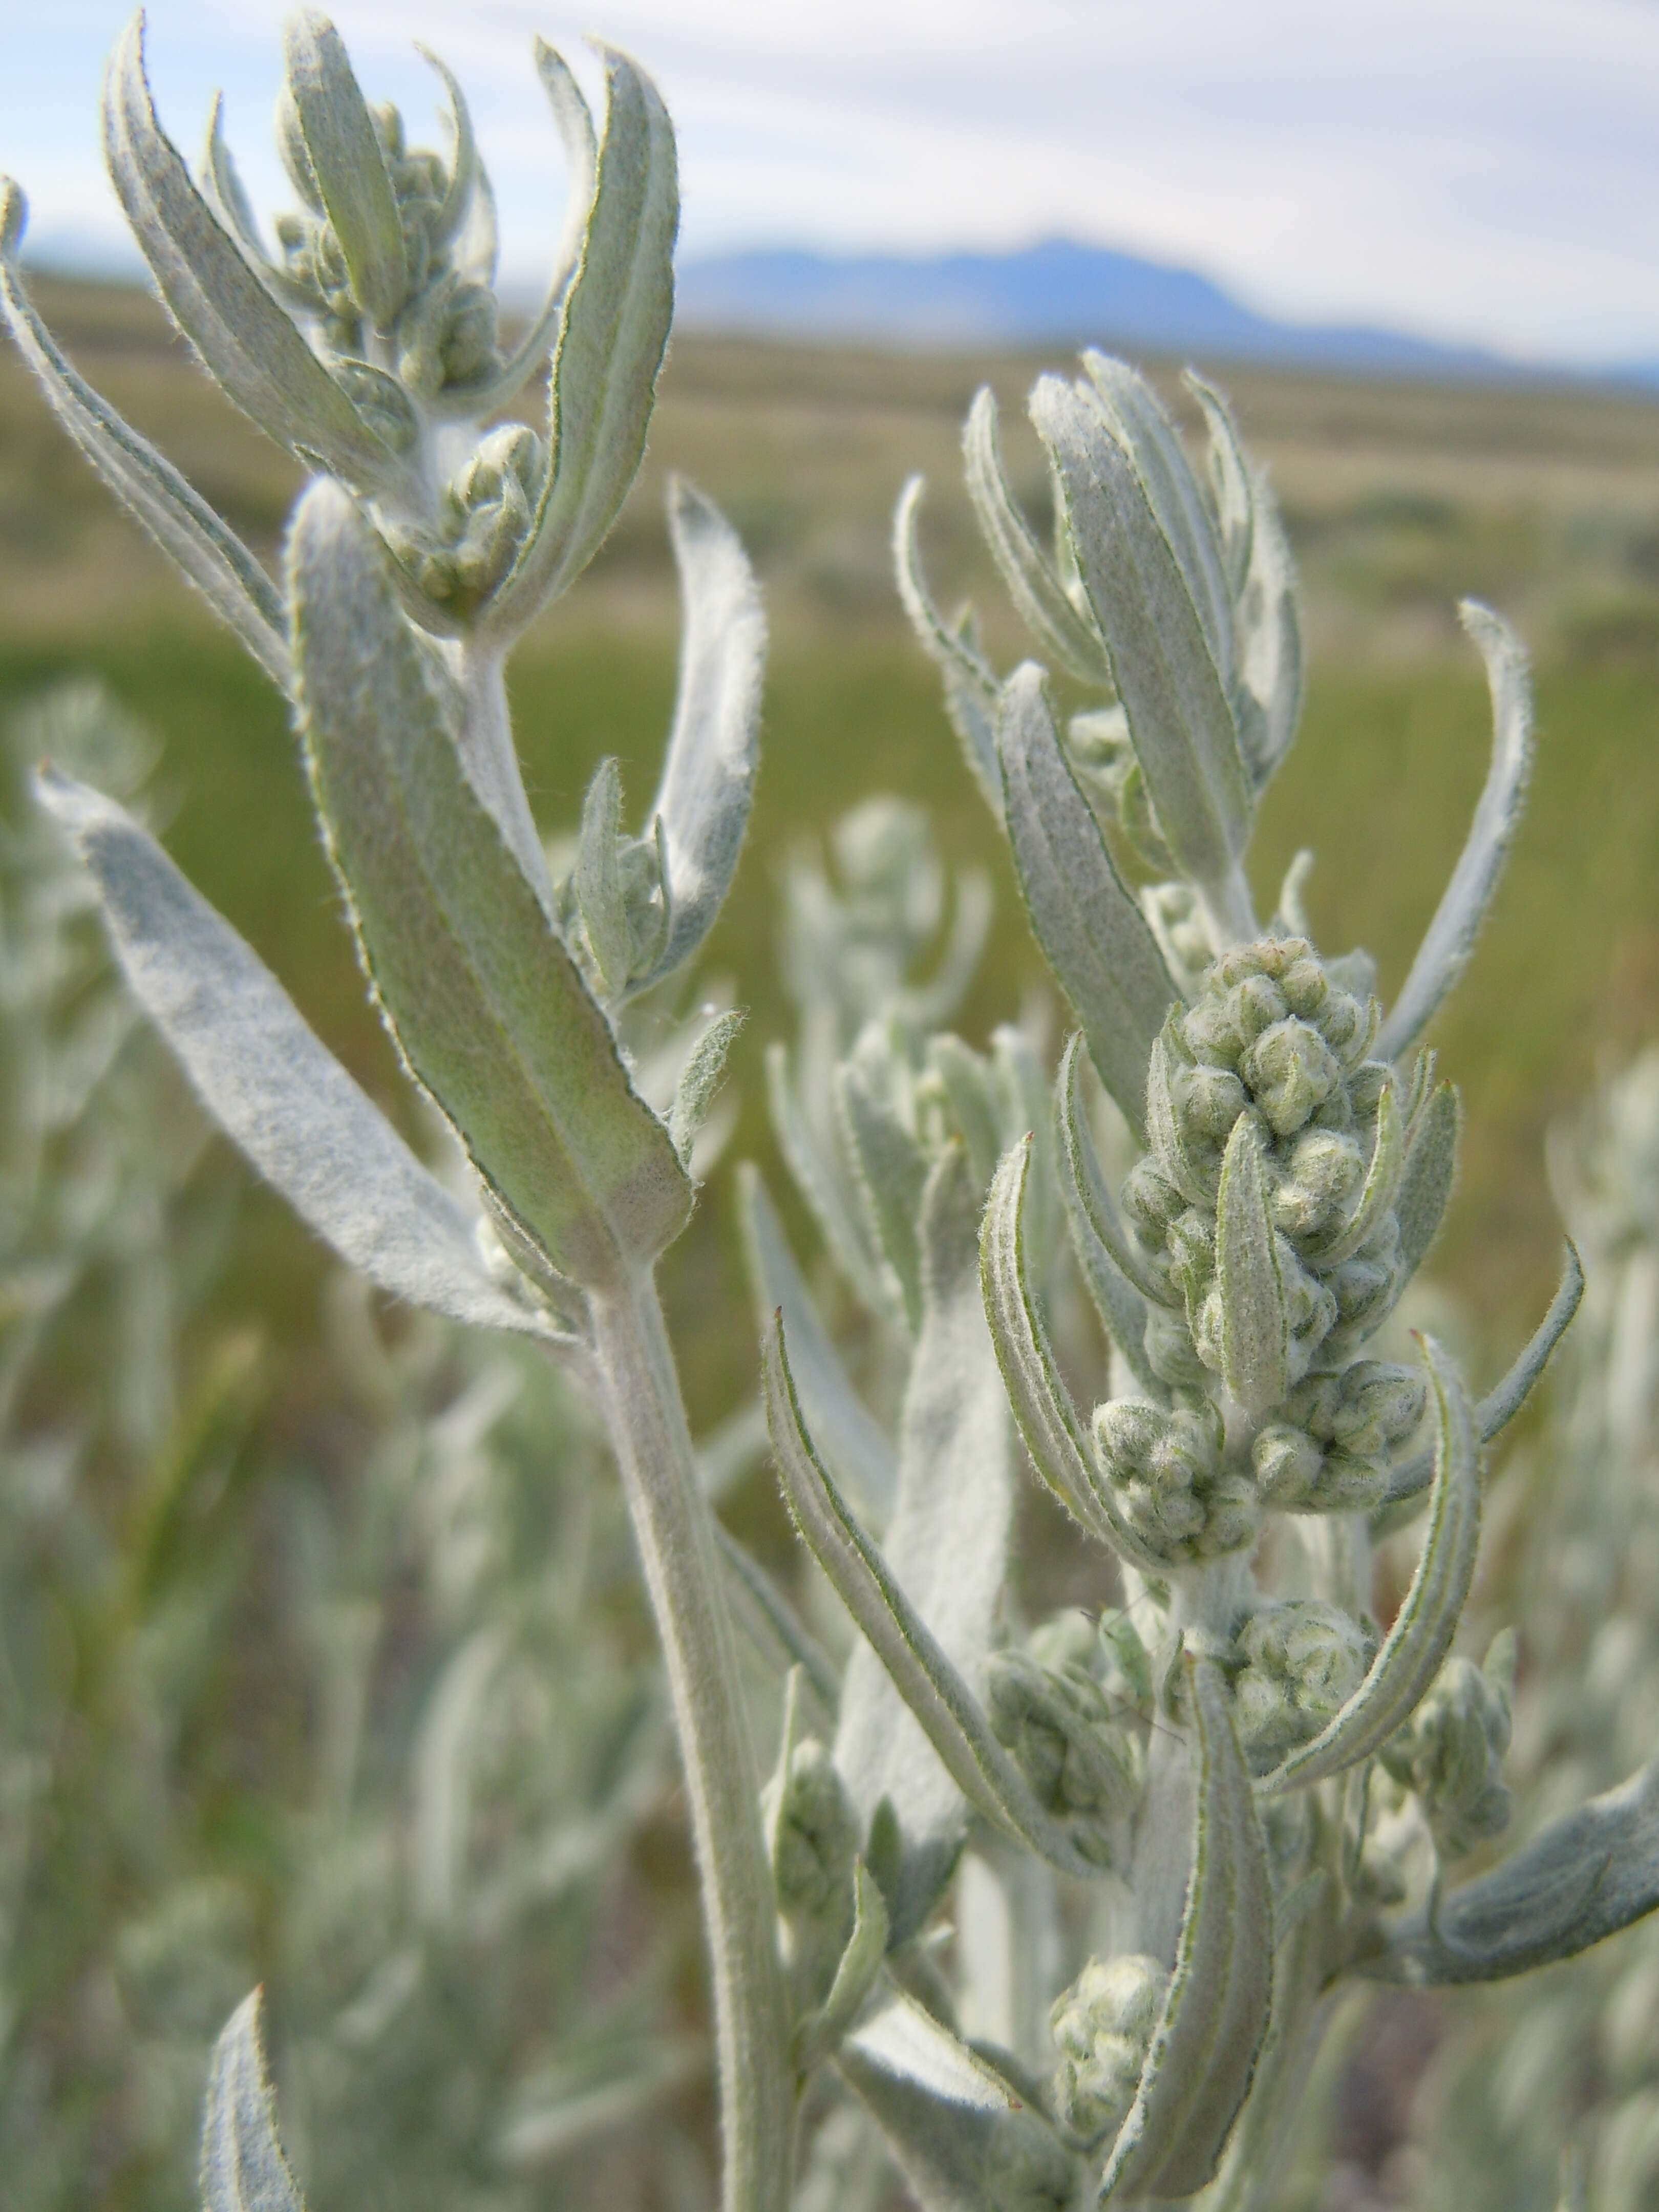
(1482, 171)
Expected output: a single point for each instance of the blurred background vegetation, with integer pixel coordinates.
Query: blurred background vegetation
(1544, 499)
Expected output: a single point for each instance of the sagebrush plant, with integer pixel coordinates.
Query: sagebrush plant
(427, 1677)
(1160, 1840)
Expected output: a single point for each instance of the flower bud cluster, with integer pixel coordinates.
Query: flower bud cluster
(1299, 1664)
(1083, 1766)
(1102, 2027)
(1451, 1752)
(1167, 1471)
(1331, 1450)
(484, 517)
(814, 1837)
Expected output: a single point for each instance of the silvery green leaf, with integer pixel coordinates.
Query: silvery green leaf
(1152, 446)
(441, 1811)
(487, 1006)
(968, 1085)
(891, 1169)
(1230, 486)
(1203, 2052)
(1088, 1195)
(1089, 926)
(1400, 1675)
(347, 162)
(1121, 1308)
(275, 1091)
(709, 774)
(1032, 581)
(611, 337)
(858, 1451)
(951, 1716)
(245, 340)
(597, 877)
(947, 1544)
(814, 1180)
(575, 126)
(182, 524)
(244, 2165)
(701, 1079)
(1042, 1406)
(818, 2034)
(1163, 665)
(762, 1606)
(970, 686)
(1427, 1174)
(451, 216)
(1445, 951)
(1381, 1188)
(1256, 1321)
(1499, 1406)
(222, 189)
(964, 2140)
(1581, 1880)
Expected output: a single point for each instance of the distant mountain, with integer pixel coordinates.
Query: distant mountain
(1055, 293)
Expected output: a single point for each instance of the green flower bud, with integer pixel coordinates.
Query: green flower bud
(1166, 1469)
(1292, 1072)
(1102, 2027)
(814, 1833)
(1299, 1664)
(1451, 1752)
(1057, 1722)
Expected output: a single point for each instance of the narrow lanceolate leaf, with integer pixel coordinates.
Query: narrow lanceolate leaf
(348, 164)
(1444, 953)
(818, 2034)
(951, 1716)
(1583, 1879)
(1121, 1308)
(1033, 583)
(1255, 1321)
(761, 1607)
(1204, 2050)
(970, 687)
(486, 1004)
(1081, 1173)
(611, 337)
(1380, 1187)
(182, 525)
(1089, 927)
(947, 1544)
(597, 877)
(709, 774)
(964, 2140)
(1181, 720)
(891, 1171)
(701, 1079)
(1042, 1406)
(247, 341)
(816, 1180)
(858, 1451)
(244, 2165)
(271, 1086)
(1499, 1406)
(1427, 1174)
(1402, 1673)
(1230, 486)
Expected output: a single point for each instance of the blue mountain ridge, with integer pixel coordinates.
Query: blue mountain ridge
(1057, 292)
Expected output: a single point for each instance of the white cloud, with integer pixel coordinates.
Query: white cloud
(1476, 169)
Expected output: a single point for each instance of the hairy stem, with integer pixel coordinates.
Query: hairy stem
(675, 1532)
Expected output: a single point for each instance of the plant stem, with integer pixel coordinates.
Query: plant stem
(674, 1529)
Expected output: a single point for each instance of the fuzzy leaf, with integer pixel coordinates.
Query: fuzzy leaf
(701, 1079)
(841, 1229)
(1089, 927)
(709, 774)
(1445, 951)
(248, 343)
(1380, 1187)
(611, 337)
(1087, 1192)
(1121, 1308)
(1163, 665)
(858, 1451)
(1583, 1879)
(963, 2139)
(597, 877)
(951, 1716)
(182, 524)
(855, 1975)
(1427, 1174)
(271, 1086)
(946, 1546)
(1042, 1405)
(891, 1171)
(1255, 1323)
(1402, 1674)
(970, 686)
(244, 2165)
(1032, 581)
(486, 1004)
(1203, 2052)
(766, 1608)
(348, 164)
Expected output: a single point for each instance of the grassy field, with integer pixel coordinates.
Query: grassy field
(1399, 498)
